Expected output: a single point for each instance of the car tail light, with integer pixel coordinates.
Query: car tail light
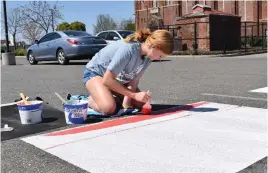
(73, 41)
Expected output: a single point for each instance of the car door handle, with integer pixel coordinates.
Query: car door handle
(48, 44)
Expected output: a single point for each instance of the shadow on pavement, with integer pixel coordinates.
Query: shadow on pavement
(161, 60)
(161, 109)
(52, 119)
(70, 63)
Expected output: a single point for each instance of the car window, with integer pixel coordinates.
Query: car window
(49, 37)
(103, 35)
(45, 38)
(124, 34)
(112, 35)
(76, 33)
(55, 36)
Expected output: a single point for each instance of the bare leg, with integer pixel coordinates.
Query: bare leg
(92, 104)
(101, 99)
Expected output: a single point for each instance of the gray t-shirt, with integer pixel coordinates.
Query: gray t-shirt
(121, 58)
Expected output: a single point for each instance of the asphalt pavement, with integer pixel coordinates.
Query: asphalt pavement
(173, 81)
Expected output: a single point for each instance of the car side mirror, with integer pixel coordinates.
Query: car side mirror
(36, 41)
(116, 38)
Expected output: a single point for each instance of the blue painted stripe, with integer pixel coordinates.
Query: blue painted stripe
(30, 107)
(83, 106)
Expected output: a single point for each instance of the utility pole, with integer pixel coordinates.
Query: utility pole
(6, 27)
(8, 58)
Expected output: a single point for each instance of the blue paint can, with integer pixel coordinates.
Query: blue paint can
(75, 111)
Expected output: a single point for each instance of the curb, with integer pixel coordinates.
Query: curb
(217, 55)
(20, 56)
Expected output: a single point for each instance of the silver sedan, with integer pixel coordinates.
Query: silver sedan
(64, 46)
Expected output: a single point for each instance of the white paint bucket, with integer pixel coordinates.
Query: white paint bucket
(75, 111)
(32, 113)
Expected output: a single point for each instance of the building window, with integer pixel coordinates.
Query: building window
(167, 2)
(141, 20)
(236, 8)
(155, 4)
(215, 4)
(196, 2)
(180, 8)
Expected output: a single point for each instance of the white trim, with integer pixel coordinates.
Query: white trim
(223, 6)
(158, 7)
(235, 97)
(200, 5)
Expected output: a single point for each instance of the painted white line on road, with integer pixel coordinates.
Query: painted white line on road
(235, 97)
(260, 90)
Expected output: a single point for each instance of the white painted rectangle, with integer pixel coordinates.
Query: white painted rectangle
(260, 90)
(225, 140)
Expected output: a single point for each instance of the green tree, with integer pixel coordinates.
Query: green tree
(104, 22)
(78, 26)
(63, 26)
(130, 26)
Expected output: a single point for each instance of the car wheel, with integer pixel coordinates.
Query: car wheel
(31, 58)
(62, 57)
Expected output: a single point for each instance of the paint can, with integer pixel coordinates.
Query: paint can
(30, 113)
(147, 108)
(75, 111)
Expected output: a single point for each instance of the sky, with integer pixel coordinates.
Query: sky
(86, 11)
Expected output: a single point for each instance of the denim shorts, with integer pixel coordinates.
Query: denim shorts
(88, 74)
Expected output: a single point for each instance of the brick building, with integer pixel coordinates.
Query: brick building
(170, 13)
(166, 12)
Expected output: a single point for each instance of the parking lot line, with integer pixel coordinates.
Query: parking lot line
(260, 90)
(235, 97)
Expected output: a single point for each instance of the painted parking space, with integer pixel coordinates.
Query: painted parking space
(210, 137)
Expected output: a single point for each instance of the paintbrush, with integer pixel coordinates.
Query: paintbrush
(63, 101)
(24, 99)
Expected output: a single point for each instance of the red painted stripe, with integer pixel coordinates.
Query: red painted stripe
(84, 139)
(120, 121)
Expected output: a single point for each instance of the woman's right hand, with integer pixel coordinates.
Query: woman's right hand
(142, 96)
